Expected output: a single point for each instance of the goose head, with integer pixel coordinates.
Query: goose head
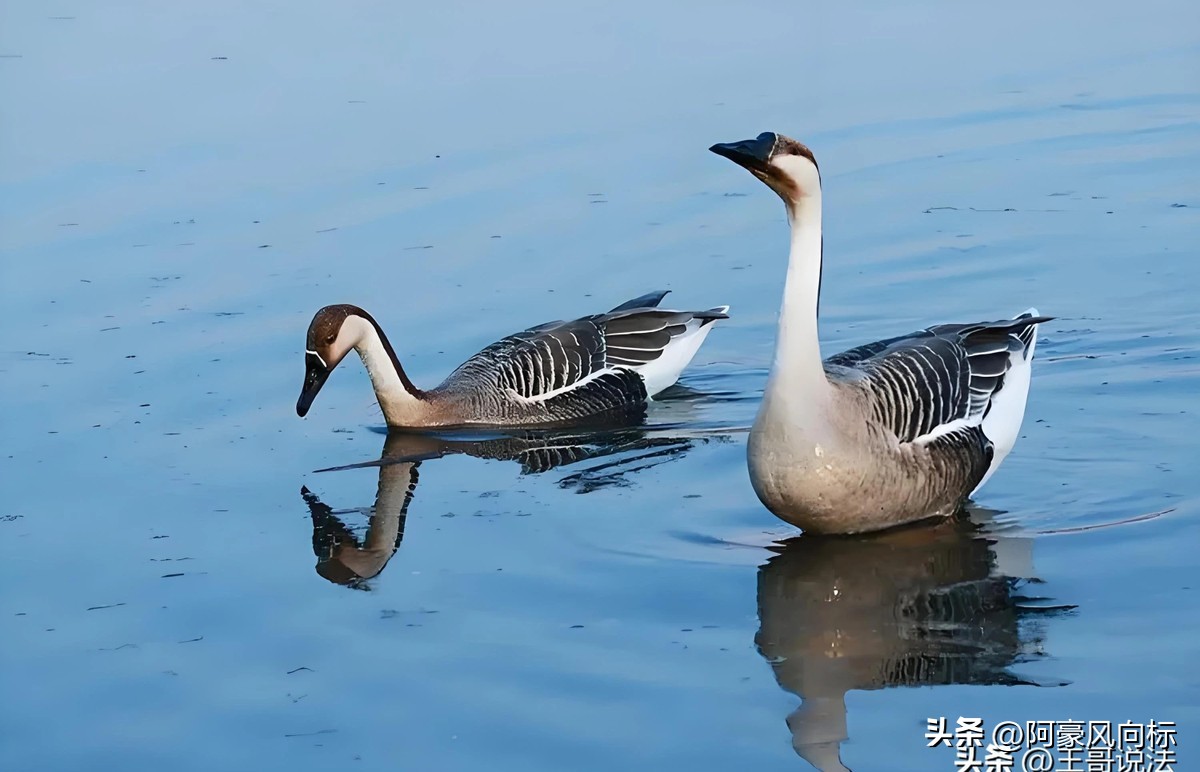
(785, 165)
(332, 334)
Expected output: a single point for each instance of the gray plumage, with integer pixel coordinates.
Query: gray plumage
(928, 379)
(563, 371)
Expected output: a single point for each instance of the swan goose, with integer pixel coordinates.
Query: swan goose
(603, 367)
(887, 433)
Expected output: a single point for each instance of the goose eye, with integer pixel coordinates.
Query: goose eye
(329, 341)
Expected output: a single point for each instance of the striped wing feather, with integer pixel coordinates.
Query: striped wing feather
(640, 337)
(537, 362)
(939, 380)
(565, 359)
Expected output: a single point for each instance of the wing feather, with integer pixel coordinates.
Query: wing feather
(561, 358)
(937, 381)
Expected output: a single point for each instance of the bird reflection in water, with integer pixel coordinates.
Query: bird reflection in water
(345, 558)
(920, 606)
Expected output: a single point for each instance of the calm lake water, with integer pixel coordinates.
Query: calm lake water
(182, 185)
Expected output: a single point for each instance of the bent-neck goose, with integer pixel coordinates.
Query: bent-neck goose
(602, 367)
(887, 433)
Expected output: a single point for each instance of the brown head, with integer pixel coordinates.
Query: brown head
(785, 165)
(329, 341)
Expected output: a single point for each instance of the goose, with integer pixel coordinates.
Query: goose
(603, 367)
(888, 433)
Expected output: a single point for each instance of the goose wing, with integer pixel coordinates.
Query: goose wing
(938, 381)
(588, 358)
(649, 300)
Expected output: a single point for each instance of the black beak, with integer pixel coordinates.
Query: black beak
(753, 154)
(315, 375)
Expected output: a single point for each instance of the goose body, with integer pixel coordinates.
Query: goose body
(603, 367)
(887, 433)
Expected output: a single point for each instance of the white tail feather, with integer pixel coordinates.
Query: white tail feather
(1003, 421)
(664, 371)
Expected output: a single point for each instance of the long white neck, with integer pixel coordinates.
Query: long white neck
(397, 397)
(797, 375)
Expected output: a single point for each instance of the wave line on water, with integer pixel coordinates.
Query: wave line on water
(1096, 526)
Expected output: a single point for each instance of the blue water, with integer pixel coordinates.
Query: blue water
(181, 186)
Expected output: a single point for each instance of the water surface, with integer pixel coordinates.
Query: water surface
(182, 187)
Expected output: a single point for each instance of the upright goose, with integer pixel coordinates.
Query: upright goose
(883, 434)
(602, 367)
